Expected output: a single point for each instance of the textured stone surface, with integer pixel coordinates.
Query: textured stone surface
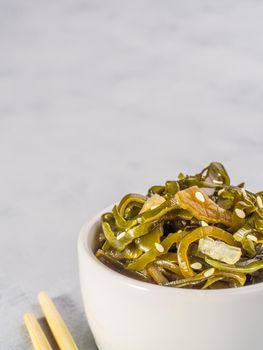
(100, 98)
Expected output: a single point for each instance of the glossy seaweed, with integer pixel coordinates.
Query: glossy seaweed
(196, 232)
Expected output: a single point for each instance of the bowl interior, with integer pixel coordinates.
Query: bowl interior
(89, 238)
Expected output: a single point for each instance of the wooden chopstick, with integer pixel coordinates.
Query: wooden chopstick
(57, 325)
(37, 336)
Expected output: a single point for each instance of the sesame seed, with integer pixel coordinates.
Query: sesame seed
(139, 220)
(259, 202)
(159, 247)
(199, 196)
(196, 266)
(240, 213)
(121, 235)
(252, 237)
(217, 182)
(209, 272)
(203, 223)
(244, 192)
(219, 174)
(131, 232)
(221, 191)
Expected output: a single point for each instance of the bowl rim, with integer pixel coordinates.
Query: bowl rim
(84, 245)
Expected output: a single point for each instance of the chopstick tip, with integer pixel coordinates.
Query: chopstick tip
(27, 316)
(42, 294)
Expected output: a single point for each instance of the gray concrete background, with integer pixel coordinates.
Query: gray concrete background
(101, 98)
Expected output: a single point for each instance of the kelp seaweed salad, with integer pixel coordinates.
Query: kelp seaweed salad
(197, 232)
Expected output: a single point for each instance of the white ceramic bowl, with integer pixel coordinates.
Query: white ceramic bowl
(126, 314)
